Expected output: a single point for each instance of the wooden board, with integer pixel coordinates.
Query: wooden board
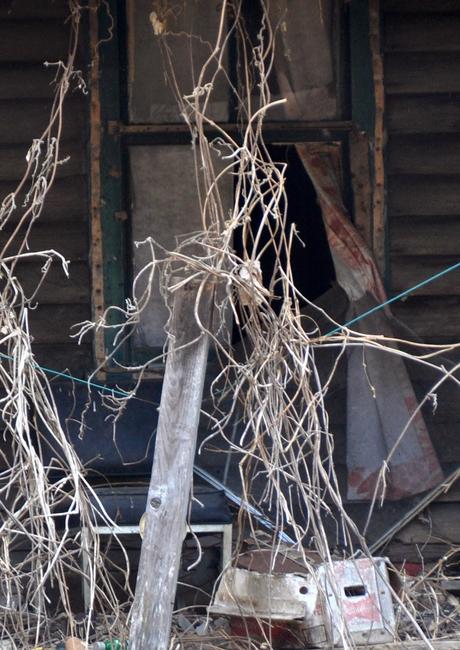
(433, 318)
(407, 271)
(51, 324)
(61, 356)
(423, 114)
(422, 72)
(30, 9)
(424, 154)
(65, 201)
(424, 235)
(361, 183)
(421, 6)
(26, 81)
(420, 195)
(56, 288)
(401, 553)
(419, 33)
(33, 41)
(171, 480)
(72, 240)
(21, 122)
(437, 524)
(13, 162)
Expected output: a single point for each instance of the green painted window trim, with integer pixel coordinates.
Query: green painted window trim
(114, 227)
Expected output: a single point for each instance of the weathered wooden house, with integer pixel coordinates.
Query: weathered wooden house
(382, 89)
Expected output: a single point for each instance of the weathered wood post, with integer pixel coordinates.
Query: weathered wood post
(172, 472)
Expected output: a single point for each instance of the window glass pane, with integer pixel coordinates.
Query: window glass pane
(305, 66)
(189, 31)
(164, 206)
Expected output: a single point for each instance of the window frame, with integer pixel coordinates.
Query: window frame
(112, 256)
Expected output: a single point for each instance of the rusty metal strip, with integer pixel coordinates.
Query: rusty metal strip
(378, 235)
(97, 259)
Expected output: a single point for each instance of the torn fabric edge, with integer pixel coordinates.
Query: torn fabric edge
(380, 397)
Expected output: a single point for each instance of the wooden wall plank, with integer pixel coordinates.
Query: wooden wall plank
(33, 41)
(21, 122)
(422, 72)
(421, 195)
(433, 318)
(52, 324)
(66, 200)
(407, 271)
(423, 113)
(421, 6)
(440, 522)
(399, 552)
(424, 154)
(71, 240)
(13, 161)
(61, 356)
(57, 288)
(33, 9)
(422, 33)
(430, 235)
(26, 81)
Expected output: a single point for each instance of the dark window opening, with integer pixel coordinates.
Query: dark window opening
(310, 260)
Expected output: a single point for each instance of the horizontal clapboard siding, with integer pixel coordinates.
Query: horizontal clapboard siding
(422, 84)
(31, 33)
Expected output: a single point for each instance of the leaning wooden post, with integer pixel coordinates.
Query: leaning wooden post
(172, 471)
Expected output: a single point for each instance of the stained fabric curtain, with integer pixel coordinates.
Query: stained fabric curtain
(382, 427)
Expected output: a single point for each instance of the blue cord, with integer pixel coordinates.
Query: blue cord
(58, 373)
(397, 297)
(122, 393)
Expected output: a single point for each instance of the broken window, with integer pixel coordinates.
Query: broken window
(163, 74)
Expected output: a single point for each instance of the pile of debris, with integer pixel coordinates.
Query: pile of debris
(273, 601)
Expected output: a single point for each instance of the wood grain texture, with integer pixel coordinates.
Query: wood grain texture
(436, 154)
(71, 240)
(407, 271)
(13, 162)
(422, 33)
(422, 72)
(379, 192)
(57, 288)
(33, 9)
(51, 324)
(423, 113)
(171, 480)
(66, 200)
(437, 524)
(419, 195)
(433, 318)
(361, 183)
(424, 235)
(34, 41)
(26, 81)
(21, 122)
(421, 6)
(62, 356)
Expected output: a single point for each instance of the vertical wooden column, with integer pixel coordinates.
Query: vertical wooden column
(172, 471)
(362, 185)
(379, 243)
